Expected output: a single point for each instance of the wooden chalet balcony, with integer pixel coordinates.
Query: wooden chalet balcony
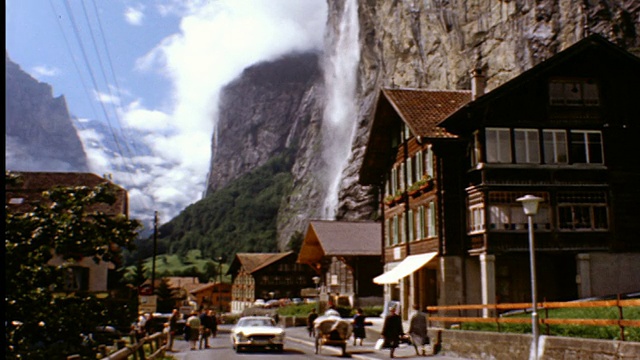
(516, 241)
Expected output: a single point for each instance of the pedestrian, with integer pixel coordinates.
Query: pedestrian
(358, 326)
(194, 329)
(418, 330)
(173, 327)
(392, 330)
(206, 321)
(214, 324)
(310, 319)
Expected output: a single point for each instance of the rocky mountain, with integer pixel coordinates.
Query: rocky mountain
(431, 44)
(273, 107)
(40, 135)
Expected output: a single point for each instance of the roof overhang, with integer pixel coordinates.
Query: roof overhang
(409, 265)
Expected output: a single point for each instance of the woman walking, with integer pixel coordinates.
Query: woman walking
(392, 330)
(358, 327)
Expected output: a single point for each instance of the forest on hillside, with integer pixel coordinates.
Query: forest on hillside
(240, 217)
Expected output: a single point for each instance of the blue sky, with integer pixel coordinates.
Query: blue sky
(156, 67)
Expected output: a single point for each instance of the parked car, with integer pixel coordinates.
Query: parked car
(296, 301)
(257, 332)
(272, 304)
(259, 303)
(159, 319)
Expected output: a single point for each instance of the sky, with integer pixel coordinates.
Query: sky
(151, 71)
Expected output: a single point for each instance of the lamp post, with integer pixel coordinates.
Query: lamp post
(530, 206)
(219, 260)
(316, 280)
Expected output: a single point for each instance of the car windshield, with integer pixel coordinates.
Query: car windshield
(255, 322)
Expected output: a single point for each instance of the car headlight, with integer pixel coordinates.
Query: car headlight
(279, 337)
(241, 337)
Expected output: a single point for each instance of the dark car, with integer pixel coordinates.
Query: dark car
(156, 323)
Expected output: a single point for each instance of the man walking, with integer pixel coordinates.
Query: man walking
(206, 322)
(392, 330)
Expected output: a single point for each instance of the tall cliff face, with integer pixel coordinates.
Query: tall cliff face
(431, 44)
(40, 135)
(434, 44)
(273, 107)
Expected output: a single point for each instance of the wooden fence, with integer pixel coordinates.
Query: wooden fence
(154, 343)
(543, 306)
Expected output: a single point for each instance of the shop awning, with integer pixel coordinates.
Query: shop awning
(410, 264)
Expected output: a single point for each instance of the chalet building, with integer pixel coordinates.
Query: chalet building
(83, 275)
(266, 276)
(562, 131)
(415, 166)
(214, 296)
(345, 256)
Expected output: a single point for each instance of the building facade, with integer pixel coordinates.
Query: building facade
(266, 276)
(563, 131)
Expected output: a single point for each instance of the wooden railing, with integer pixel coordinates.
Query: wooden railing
(154, 343)
(543, 306)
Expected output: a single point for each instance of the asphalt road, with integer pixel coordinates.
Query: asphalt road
(298, 345)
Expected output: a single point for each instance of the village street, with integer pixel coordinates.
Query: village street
(298, 345)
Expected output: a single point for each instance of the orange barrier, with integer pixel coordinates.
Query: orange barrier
(542, 306)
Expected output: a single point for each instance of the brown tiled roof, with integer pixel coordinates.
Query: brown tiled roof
(32, 184)
(252, 262)
(340, 238)
(422, 110)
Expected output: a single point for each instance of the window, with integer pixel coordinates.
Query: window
(586, 147)
(420, 225)
(476, 150)
(428, 155)
(476, 218)
(410, 173)
(419, 168)
(76, 278)
(582, 211)
(580, 92)
(527, 146)
(555, 146)
(395, 230)
(505, 212)
(411, 219)
(402, 228)
(388, 230)
(498, 145)
(431, 220)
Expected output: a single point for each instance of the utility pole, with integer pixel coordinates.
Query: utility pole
(155, 249)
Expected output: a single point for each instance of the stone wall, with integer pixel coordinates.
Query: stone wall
(500, 346)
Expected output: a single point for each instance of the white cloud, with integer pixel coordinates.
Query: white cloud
(134, 15)
(45, 71)
(217, 40)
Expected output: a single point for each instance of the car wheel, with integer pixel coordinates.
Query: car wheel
(280, 348)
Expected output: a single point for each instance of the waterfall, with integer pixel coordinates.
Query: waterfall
(339, 122)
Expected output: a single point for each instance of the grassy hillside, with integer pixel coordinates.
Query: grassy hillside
(238, 218)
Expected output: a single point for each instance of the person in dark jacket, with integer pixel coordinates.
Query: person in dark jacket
(358, 327)
(310, 319)
(392, 330)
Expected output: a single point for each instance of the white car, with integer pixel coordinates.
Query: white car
(257, 332)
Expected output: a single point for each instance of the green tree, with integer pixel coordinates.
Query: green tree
(42, 322)
(167, 297)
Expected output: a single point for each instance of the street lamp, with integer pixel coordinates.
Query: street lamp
(530, 206)
(316, 280)
(219, 260)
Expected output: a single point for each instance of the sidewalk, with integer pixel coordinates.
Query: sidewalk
(366, 351)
